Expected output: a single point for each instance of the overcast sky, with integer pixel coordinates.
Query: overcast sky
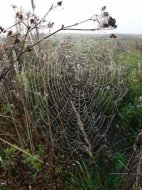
(127, 13)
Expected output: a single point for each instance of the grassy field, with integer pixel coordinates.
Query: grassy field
(36, 151)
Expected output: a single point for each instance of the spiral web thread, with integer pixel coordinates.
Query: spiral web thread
(69, 91)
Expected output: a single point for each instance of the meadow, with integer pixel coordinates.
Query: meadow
(70, 105)
(68, 125)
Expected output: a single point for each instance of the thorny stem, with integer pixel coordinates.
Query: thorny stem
(21, 21)
(22, 52)
(42, 18)
(45, 15)
(46, 37)
(13, 25)
(78, 23)
(62, 28)
(79, 29)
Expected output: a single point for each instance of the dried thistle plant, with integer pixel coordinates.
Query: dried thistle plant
(28, 25)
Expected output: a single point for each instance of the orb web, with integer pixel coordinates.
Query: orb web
(71, 92)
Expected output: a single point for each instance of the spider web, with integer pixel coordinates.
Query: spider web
(71, 92)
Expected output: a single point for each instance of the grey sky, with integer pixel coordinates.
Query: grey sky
(127, 13)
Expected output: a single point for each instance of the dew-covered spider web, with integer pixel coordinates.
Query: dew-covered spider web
(71, 92)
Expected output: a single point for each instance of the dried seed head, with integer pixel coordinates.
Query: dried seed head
(13, 6)
(19, 15)
(16, 41)
(1, 29)
(112, 22)
(113, 36)
(28, 49)
(62, 26)
(59, 3)
(103, 8)
(50, 24)
(32, 21)
(9, 33)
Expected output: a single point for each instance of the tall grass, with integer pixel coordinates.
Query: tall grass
(31, 154)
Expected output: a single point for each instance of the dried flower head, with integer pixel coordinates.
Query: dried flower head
(103, 8)
(9, 33)
(28, 49)
(13, 6)
(62, 26)
(50, 24)
(105, 14)
(19, 15)
(1, 29)
(32, 21)
(112, 22)
(16, 41)
(59, 3)
(113, 36)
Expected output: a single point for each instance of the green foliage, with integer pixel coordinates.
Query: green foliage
(118, 164)
(108, 167)
(4, 188)
(129, 117)
(33, 164)
(6, 109)
(8, 156)
(82, 178)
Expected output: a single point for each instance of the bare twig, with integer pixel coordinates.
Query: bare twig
(46, 37)
(94, 18)
(80, 29)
